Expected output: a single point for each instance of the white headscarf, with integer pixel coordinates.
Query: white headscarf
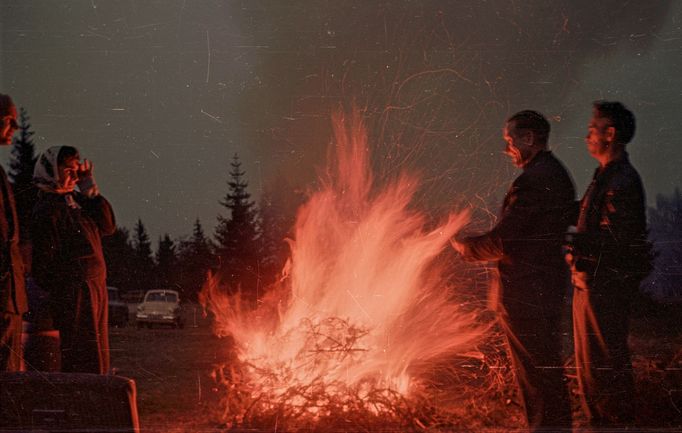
(46, 171)
(46, 175)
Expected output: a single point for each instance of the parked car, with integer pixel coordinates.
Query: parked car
(159, 306)
(118, 310)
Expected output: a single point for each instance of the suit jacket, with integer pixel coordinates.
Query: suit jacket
(612, 236)
(12, 290)
(527, 239)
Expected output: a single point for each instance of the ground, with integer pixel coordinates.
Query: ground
(172, 370)
(176, 393)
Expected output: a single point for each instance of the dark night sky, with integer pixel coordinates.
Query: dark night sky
(161, 94)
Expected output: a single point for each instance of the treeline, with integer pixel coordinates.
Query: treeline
(248, 246)
(665, 231)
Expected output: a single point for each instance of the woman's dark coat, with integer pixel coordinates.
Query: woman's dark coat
(68, 263)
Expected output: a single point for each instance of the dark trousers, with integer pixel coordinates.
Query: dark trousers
(530, 315)
(10, 341)
(83, 329)
(601, 318)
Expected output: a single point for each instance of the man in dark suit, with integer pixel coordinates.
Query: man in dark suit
(527, 243)
(610, 256)
(12, 293)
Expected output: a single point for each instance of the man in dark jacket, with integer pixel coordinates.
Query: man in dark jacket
(12, 293)
(610, 256)
(526, 242)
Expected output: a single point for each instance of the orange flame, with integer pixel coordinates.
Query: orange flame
(364, 302)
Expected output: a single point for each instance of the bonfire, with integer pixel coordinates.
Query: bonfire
(364, 330)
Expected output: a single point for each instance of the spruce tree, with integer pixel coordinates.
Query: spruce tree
(144, 264)
(21, 166)
(119, 255)
(237, 236)
(166, 264)
(201, 247)
(195, 260)
(277, 208)
(165, 254)
(142, 244)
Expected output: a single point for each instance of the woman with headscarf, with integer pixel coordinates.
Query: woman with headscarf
(68, 262)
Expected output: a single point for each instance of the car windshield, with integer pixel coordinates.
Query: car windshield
(162, 297)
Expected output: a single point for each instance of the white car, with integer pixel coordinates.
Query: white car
(159, 306)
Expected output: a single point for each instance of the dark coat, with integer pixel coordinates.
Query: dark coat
(67, 245)
(611, 256)
(12, 291)
(527, 240)
(612, 236)
(527, 244)
(68, 263)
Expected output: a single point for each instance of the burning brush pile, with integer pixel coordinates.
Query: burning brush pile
(364, 332)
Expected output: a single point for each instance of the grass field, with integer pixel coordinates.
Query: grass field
(172, 369)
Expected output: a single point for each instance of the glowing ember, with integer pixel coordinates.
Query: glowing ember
(363, 307)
